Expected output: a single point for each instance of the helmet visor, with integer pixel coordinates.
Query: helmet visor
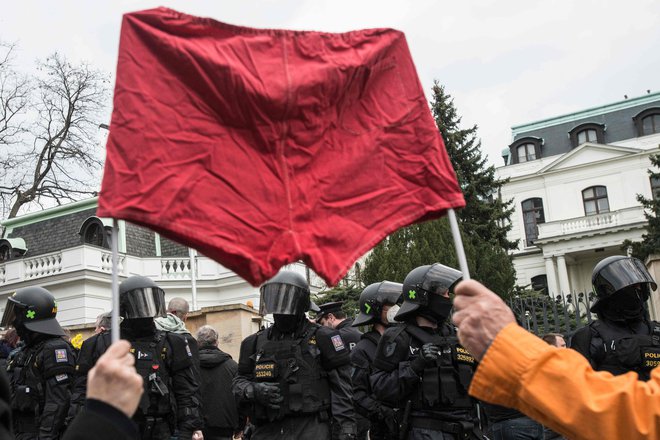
(440, 279)
(9, 315)
(283, 299)
(145, 302)
(389, 292)
(620, 274)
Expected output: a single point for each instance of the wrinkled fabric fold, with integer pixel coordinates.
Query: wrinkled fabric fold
(262, 147)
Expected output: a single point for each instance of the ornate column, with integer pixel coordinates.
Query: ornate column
(564, 284)
(551, 274)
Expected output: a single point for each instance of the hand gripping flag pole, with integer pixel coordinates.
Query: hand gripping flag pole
(458, 244)
(114, 331)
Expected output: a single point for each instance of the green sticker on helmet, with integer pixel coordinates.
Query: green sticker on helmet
(30, 314)
(367, 308)
(412, 294)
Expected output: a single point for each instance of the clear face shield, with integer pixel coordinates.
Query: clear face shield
(147, 302)
(9, 314)
(623, 273)
(440, 279)
(283, 299)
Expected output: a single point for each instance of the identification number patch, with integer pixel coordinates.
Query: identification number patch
(61, 356)
(265, 370)
(338, 343)
(61, 377)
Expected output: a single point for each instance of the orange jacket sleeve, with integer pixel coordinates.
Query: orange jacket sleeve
(558, 388)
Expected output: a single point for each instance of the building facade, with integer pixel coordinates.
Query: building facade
(574, 181)
(67, 250)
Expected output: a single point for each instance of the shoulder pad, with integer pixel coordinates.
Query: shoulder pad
(180, 357)
(392, 348)
(57, 358)
(334, 351)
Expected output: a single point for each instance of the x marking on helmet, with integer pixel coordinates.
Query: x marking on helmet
(412, 294)
(30, 314)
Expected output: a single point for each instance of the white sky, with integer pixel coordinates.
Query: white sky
(505, 62)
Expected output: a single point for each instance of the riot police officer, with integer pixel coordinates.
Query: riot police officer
(41, 372)
(332, 315)
(623, 338)
(420, 364)
(377, 302)
(170, 404)
(294, 377)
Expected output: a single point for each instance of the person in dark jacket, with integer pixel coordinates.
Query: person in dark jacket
(332, 315)
(7, 345)
(377, 302)
(217, 370)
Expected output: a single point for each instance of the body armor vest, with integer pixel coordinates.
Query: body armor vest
(26, 383)
(296, 366)
(625, 352)
(445, 384)
(150, 363)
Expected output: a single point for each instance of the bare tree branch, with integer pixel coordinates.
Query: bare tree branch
(58, 157)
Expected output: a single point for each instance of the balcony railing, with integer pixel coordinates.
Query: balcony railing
(591, 223)
(96, 259)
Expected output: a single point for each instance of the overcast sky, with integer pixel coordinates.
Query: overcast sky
(505, 62)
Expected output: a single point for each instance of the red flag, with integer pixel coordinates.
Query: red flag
(264, 147)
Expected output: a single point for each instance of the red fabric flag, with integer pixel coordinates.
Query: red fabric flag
(263, 147)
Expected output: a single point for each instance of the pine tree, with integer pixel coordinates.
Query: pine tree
(484, 221)
(650, 243)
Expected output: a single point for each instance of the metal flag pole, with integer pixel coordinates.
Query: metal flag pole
(193, 276)
(114, 331)
(458, 244)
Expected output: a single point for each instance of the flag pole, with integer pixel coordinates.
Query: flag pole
(458, 244)
(193, 276)
(114, 331)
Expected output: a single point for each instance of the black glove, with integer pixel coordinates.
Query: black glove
(428, 354)
(267, 394)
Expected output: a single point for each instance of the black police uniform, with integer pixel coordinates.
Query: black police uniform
(39, 377)
(350, 335)
(623, 339)
(170, 401)
(437, 394)
(312, 368)
(383, 425)
(40, 372)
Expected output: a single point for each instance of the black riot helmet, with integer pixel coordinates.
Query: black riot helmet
(287, 293)
(614, 274)
(372, 300)
(140, 297)
(421, 283)
(33, 308)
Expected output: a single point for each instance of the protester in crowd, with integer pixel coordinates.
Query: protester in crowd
(295, 376)
(8, 344)
(553, 386)
(420, 367)
(377, 309)
(170, 403)
(40, 372)
(332, 315)
(103, 322)
(555, 339)
(217, 370)
(175, 322)
(623, 329)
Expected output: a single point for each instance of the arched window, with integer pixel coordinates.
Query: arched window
(647, 121)
(589, 132)
(526, 149)
(595, 200)
(11, 248)
(532, 216)
(93, 231)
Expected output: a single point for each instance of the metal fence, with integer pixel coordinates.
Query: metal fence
(543, 314)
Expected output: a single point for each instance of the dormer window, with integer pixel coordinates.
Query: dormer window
(648, 121)
(589, 132)
(95, 232)
(11, 248)
(526, 149)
